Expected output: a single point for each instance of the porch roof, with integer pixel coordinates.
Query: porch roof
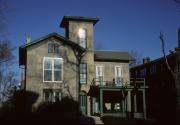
(112, 56)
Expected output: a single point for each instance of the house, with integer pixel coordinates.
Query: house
(57, 66)
(160, 95)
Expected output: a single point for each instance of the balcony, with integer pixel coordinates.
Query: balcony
(105, 81)
(119, 81)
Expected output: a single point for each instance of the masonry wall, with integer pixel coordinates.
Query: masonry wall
(34, 71)
(109, 70)
(88, 57)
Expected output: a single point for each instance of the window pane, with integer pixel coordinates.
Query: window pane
(47, 96)
(57, 64)
(82, 42)
(56, 95)
(83, 78)
(50, 47)
(56, 48)
(47, 64)
(83, 71)
(47, 75)
(82, 33)
(57, 75)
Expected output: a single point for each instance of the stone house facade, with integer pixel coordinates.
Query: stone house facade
(57, 66)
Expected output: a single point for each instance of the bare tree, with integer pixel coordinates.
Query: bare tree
(164, 54)
(8, 78)
(174, 73)
(8, 84)
(137, 58)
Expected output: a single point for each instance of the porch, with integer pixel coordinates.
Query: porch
(123, 100)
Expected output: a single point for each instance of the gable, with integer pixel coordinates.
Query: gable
(43, 40)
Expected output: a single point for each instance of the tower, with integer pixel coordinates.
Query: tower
(80, 30)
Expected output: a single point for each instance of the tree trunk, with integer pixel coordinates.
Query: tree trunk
(178, 82)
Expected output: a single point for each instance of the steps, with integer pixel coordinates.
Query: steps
(90, 120)
(97, 120)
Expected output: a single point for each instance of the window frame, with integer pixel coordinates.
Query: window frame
(83, 73)
(53, 70)
(116, 75)
(52, 95)
(143, 72)
(54, 47)
(100, 66)
(85, 38)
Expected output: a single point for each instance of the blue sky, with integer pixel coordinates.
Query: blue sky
(124, 25)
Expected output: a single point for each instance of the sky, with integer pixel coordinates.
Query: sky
(124, 25)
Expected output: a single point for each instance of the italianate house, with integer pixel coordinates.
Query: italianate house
(58, 66)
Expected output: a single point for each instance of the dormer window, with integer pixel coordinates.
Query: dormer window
(53, 47)
(82, 38)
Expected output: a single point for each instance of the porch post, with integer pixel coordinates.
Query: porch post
(144, 104)
(93, 104)
(101, 102)
(135, 103)
(123, 105)
(88, 103)
(129, 101)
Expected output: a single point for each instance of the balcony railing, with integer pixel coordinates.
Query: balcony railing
(104, 81)
(137, 81)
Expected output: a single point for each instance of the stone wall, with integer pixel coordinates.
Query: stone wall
(34, 69)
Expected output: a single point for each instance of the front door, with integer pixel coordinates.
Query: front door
(83, 103)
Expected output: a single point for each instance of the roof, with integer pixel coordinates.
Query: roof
(65, 40)
(66, 19)
(74, 45)
(112, 56)
(172, 55)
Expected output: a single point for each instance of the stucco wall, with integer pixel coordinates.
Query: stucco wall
(34, 71)
(109, 70)
(88, 57)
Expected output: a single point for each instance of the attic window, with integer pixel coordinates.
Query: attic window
(53, 47)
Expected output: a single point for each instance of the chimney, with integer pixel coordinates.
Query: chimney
(146, 60)
(28, 39)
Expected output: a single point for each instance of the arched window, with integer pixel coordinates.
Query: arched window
(82, 37)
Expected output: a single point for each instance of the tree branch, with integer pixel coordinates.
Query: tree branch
(164, 54)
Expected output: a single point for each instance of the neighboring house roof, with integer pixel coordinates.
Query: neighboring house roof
(112, 56)
(65, 20)
(170, 56)
(56, 35)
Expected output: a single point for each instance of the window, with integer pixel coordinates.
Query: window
(53, 47)
(82, 38)
(52, 95)
(143, 72)
(136, 73)
(83, 73)
(52, 69)
(100, 75)
(118, 75)
(153, 69)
